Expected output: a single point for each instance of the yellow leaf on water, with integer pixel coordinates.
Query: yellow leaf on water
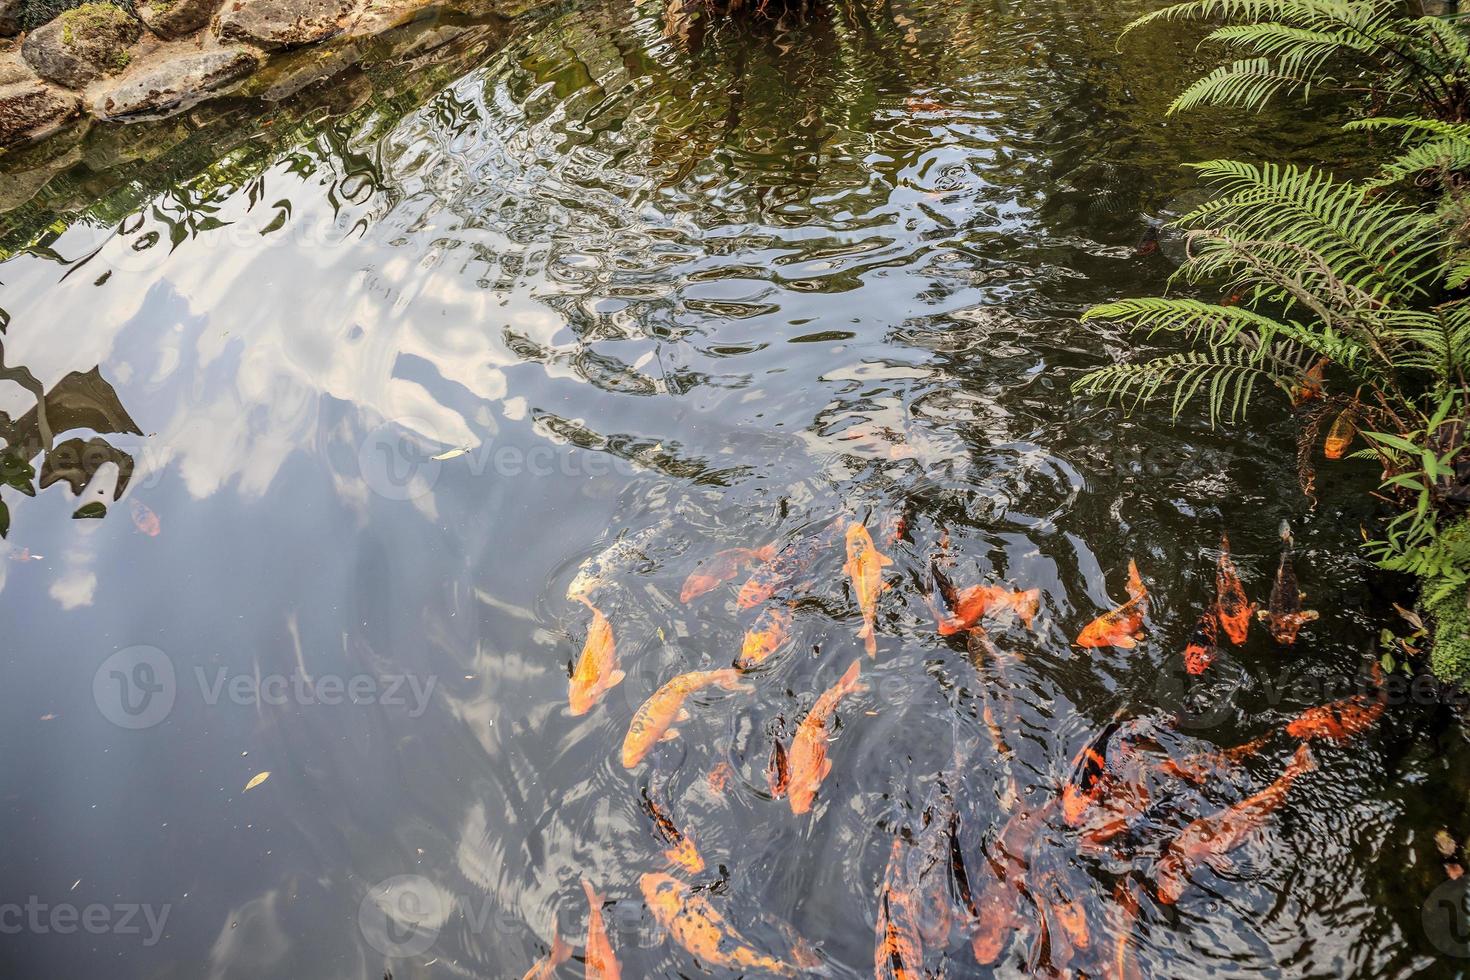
(256, 780)
(452, 454)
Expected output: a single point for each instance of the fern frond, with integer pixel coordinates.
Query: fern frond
(1226, 377)
(1248, 84)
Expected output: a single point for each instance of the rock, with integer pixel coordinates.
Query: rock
(172, 82)
(172, 19)
(13, 67)
(10, 17)
(83, 44)
(280, 23)
(30, 110)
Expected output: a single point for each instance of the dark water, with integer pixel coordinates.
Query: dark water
(718, 288)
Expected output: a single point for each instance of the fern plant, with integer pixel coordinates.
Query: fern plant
(1348, 292)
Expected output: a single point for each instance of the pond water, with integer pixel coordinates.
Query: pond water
(735, 285)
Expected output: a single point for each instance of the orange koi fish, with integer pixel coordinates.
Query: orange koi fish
(1311, 385)
(808, 760)
(865, 564)
(898, 953)
(1089, 776)
(1231, 605)
(652, 722)
(974, 603)
(1004, 874)
(1205, 766)
(784, 568)
(721, 567)
(1064, 919)
(695, 924)
(601, 963)
(597, 670)
(1207, 839)
(682, 850)
(1340, 436)
(545, 968)
(1123, 625)
(1284, 615)
(719, 778)
(1204, 643)
(765, 636)
(1125, 902)
(1340, 721)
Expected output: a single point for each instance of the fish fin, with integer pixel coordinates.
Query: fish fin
(615, 678)
(561, 950)
(1308, 615)
(682, 716)
(593, 899)
(1221, 864)
(1125, 642)
(823, 774)
(669, 735)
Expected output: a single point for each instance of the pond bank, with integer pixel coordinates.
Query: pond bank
(100, 62)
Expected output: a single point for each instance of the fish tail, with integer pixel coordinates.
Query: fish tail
(593, 899)
(1286, 532)
(1302, 761)
(561, 950)
(850, 681)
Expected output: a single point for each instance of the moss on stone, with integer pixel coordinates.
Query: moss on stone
(1449, 614)
(89, 19)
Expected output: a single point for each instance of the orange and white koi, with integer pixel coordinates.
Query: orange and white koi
(693, 922)
(765, 636)
(626, 550)
(865, 564)
(898, 951)
(653, 721)
(545, 968)
(1122, 625)
(601, 962)
(808, 762)
(1207, 839)
(1231, 605)
(1204, 643)
(597, 669)
(682, 850)
(974, 603)
(721, 567)
(1284, 615)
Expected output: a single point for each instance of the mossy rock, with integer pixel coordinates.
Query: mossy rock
(173, 19)
(82, 45)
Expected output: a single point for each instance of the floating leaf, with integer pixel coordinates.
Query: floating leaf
(452, 454)
(4, 519)
(256, 780)
(92, 511)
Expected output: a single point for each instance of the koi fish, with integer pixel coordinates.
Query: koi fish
(765, 636)
(930, 862)
(898, 953)
(695, 924)
(1004, 873)
(652, 722)
(784, 567)
(1064, 919)
(808, 760)
(1340, 721)
(719, 778)
(1231, 606)
(597, 670)
(1125, 902)
(682, 850)
(1340, 436)
(974, 603)
(145, 520)
(721, 567)
(894, 526)
(1203, 645)
(545, 968)
(1207, 839)
(778, 772)
(1284, 615)
(997, 711)
(627, 549)
(865, 564)
(1311, 384)
(1122, 625)
(602, 964)
(1089, 776)
(1205, 766)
